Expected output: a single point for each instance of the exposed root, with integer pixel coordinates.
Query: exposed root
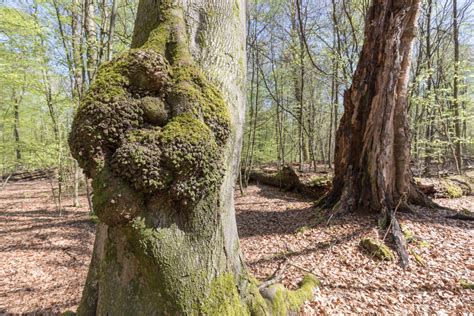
(285, 302)
(462, 217)
(400, 243)
(276, 276)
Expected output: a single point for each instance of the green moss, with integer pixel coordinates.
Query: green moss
(68, 313)
(408, 234)
(302, 229)
(182, 158)
(111, 107)
(419, 260)
(452, 190)
(154, 111)
(376, 248)
(257, 305)
(423, 244)
(224, 298)
(236, 8)
(321, 181)
(285, 300)
(159, 38)
(170, 38)
(192, 92)
(94, 219)
(169, 249)
(465, 284)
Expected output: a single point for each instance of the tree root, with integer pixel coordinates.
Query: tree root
(281, 301)
(462, 217)
(400, 243)
(276, 276)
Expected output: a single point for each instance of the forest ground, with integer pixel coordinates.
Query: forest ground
(44, 257)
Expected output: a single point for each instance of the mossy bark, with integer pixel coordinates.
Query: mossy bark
(160, 132)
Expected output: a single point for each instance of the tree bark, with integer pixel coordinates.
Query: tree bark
(456, 103)
(16, 126)
(91, 38)
(372, 159)
(160, 134)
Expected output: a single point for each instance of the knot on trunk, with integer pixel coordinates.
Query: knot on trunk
(150, 127)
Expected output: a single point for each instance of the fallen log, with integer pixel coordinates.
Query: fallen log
(29, 175)
(463, 215)
(449, 187)
(287, 179)
(316, 186)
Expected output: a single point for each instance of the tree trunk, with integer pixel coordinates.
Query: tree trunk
(16, 127)
(372, 159)
(298, 82)
(91, 40)
(110, 36)
(456, 103)
(159, 132)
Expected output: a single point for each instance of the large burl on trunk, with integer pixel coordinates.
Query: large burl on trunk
(372, 160)
(159, 132)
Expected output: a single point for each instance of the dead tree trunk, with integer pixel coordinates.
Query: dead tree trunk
(159, 132)
(372, 159)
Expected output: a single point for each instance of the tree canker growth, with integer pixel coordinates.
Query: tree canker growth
(160, 137)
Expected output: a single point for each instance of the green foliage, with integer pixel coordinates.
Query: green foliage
(35, 76)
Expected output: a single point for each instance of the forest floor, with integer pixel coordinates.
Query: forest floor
(44, 257)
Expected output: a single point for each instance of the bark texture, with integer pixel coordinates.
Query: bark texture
(372, 159)
(159, 132)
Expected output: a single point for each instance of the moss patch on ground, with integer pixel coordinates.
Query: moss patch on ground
(376, 249)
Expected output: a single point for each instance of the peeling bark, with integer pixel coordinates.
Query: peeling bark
(372, 160)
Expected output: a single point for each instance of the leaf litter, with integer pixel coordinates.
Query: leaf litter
(44, 257)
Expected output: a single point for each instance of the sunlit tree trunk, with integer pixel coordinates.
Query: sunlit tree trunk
(91, 38)
(16, 125)
(159, 132)
(456, 103)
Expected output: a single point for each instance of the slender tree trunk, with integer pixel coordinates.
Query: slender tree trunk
(16, 127)
(110, 41)
(163, 177)
(456, 103)
(334, 82)
(91, 38)
(88, 195)
(430, 125)
(372, 160)
(17, 99)
(75, 66)
(298, 81)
